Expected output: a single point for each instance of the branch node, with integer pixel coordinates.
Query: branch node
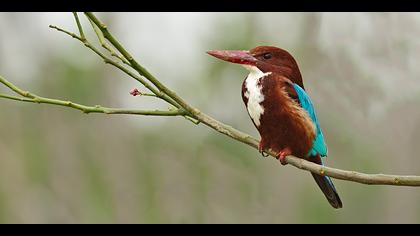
(322, 171)
(194, 121)
(300, 164)
(160, 94)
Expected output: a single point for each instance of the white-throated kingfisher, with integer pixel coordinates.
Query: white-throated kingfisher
(280, 109)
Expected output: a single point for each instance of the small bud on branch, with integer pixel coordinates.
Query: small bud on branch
(135, 92)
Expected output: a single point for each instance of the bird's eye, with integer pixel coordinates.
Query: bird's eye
(267, 56)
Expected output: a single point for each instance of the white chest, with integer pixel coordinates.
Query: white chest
(254, 94)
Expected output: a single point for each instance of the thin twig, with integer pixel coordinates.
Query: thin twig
(79, 26)
(157, 92)
(122, 68)
(32, 98)
(105, 45)
(20, 99)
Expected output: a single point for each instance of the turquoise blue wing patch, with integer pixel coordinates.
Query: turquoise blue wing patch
(319, 146)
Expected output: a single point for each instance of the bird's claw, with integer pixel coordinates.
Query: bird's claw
(261, 150)
(282, 159)
(281, 156)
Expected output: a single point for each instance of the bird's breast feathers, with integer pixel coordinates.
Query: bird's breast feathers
(253, 93)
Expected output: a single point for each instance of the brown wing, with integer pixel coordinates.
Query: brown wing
(287, 84)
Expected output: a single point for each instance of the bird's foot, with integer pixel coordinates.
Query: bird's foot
(281, 156)
(261, 150)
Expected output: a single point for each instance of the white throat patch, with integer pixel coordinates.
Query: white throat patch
(254, 94)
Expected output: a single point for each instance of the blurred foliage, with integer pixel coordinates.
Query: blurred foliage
(59, 165)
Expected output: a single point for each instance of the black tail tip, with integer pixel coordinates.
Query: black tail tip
(327, 187)
(336, 202)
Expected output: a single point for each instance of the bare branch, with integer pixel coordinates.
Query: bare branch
(158, 93)
(32, 98)
(105, 45)
(119, 66)
(76, 17)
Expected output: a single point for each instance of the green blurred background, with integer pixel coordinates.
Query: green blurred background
(58, 165)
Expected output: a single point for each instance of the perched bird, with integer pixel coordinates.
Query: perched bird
(281, 110)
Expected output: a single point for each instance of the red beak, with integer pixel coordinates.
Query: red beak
(234, 56)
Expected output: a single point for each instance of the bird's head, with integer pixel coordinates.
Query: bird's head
(266, 59)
